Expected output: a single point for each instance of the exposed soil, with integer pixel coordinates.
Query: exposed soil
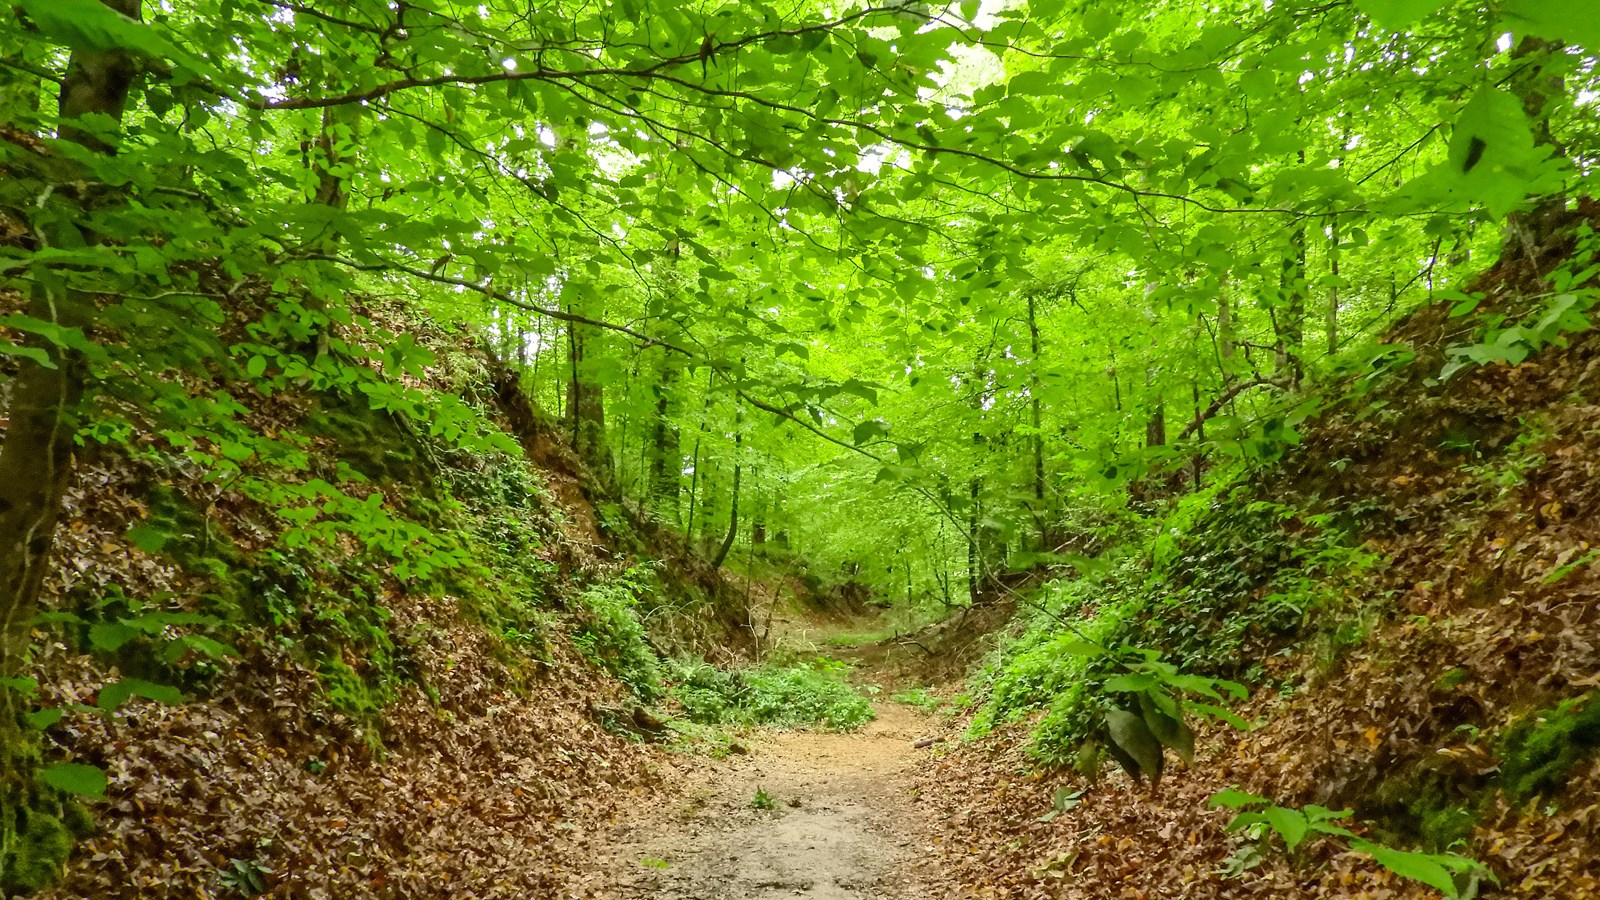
(844, 823)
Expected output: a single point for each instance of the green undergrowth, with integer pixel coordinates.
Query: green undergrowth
(921, 698)
(1197, 599)
(814, 693)
(611, 634)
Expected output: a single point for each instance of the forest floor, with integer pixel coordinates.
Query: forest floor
(843, 822)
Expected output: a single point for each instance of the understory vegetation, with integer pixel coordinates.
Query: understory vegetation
(413, 400)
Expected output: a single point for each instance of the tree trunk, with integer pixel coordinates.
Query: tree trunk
(1290, 350)
(586, 403)
(1040, 513)
(36, 462)
(694, 478)
(733, 505)
(1155, 427)
(1530, 233)
(974, 554)
(1332, 321)
(733, 517)
(666, 453)
(1227, 334)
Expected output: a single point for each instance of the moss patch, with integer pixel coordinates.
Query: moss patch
(1542, 749)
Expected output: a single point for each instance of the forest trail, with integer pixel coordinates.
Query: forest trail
(843, 824)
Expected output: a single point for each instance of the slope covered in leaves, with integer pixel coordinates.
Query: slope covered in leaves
(1412, 597)
(395, 683)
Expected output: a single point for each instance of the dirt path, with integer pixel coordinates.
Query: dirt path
(844, 825)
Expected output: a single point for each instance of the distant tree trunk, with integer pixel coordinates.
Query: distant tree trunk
(1227, 335)
(1155, 427)
(758, 520)
(1529, 233)
(1041, 514)
(733, 504)
(1289, 362)
(36, 459)
(733, 516)
(1332, 321)
(586, 410)
(1197, 461)
(666, 452)
(974, 553)
(694, 478)
(538, 356)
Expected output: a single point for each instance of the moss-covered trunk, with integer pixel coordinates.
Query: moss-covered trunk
(35, 466)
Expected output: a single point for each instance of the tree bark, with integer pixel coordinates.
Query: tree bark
(1290, 355)
(37, 457)
(1332, 319)
(1040, 513)
(733, 504)
(586, 404)
(666, 451)
(694, 478)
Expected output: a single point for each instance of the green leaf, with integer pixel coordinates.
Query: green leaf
(148, 537)
(1575, 21)
(206, 646)
(75, 778)
(23, 686)
(1065, 799)
(1129, 733)
(44, 718)
(1170, 730)
(111, 636)
(1290, 824)
(868, 431)
(1423, 867)
(1130, 684)
(1233, 798)
(1075, 647)
(1395, 15)
(91, 25)
(36, 354)
(113, 696)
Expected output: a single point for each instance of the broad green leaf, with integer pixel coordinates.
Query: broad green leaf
(1170, 730)
(1576, 21)
(1130, 735)
(1423, 867)
(91, 25)
(111, 636)
(1395, 15)
(149, 538)
(869, 431)
(38, 355)
(75, 778)
(1126, 684)
(44, 718)
(114, 695)
(1290, 824)
(1233, 798)
(24, 686)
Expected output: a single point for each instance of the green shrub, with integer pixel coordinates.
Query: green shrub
(919, 698)
(807, 694)
(613, 637)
